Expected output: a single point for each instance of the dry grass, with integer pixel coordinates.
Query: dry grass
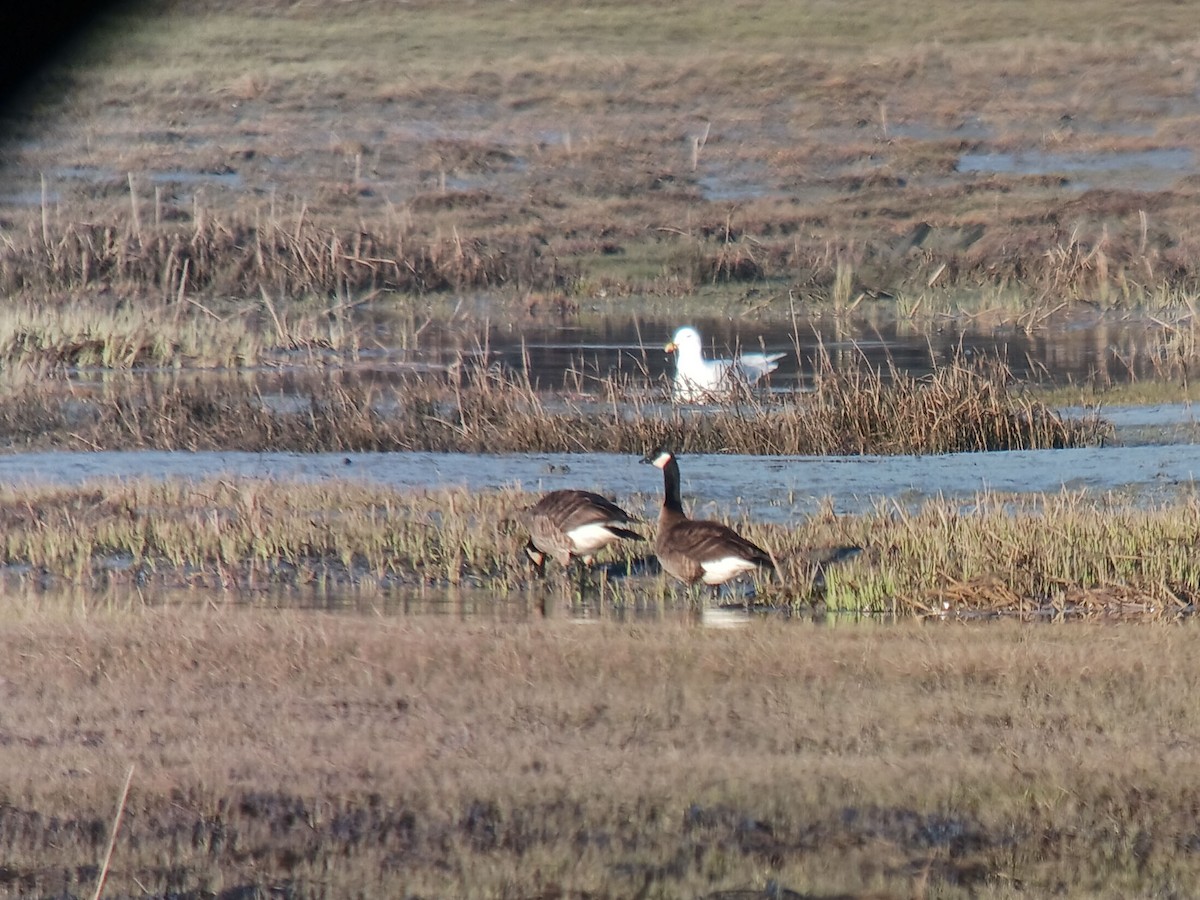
(460, 242)
(1064, 555)
(478, 408)
(89, 333)
(211, 256)
(315, 755)
(241, 534)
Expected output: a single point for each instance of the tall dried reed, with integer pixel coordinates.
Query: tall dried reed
(243, 255)
(478, 408)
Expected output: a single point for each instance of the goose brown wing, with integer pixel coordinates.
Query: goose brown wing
(571, 509)
(704, 541)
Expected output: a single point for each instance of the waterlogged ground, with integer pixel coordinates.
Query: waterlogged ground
(282, 753)
(1153, 450)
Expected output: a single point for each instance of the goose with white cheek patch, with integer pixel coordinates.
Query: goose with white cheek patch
(567, 525)
(699, 379)
(693, 550)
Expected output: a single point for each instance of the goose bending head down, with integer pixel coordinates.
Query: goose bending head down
(694, 550)
(697, 378)
(568, 524)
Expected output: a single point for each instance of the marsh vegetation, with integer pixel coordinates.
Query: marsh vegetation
(206, 213)
(1065, 556)
(477, 407)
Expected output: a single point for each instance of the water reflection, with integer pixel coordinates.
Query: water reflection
(1146, 170)
(541, 602)
(26, 596)
(1080, 350)
(571, 355)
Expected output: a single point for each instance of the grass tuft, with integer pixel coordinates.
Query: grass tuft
(481, 409)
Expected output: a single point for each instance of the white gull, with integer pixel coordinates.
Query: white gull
(699, 379)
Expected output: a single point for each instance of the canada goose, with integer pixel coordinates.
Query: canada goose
(571, 524)
(697, 378)
(694, 550)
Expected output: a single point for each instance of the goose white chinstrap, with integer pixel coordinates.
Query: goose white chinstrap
(694, 550)
(699, 379)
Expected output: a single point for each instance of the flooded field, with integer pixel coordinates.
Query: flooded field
(1149, 456)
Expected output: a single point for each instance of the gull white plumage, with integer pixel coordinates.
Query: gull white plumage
(699, 379)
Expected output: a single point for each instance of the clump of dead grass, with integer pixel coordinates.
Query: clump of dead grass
(79, 332)
(1053, 556)
(470, 239)
(1175, 356)
(79, 337)
(242, 533)
(243, 255)
(474, 407)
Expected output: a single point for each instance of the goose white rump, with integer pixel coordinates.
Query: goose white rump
(698, 379)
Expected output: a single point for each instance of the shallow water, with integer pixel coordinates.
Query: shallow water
(1154, 169)
(1074, 350)
(781, 489)
(552, 599)
(1156, 461)
(777, 489)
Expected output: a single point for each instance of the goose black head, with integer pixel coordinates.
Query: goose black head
(659, 457)
(537, 557)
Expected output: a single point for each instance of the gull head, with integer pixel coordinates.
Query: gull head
(686, 342)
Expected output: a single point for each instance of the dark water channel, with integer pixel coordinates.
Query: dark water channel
(1081, 349)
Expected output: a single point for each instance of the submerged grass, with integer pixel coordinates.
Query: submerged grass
(318, 755)
(473, 407)
(1057, 555)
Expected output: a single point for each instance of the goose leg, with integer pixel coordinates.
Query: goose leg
(583, 579)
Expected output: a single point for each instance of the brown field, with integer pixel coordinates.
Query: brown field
(319, 148)
(308, 755)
